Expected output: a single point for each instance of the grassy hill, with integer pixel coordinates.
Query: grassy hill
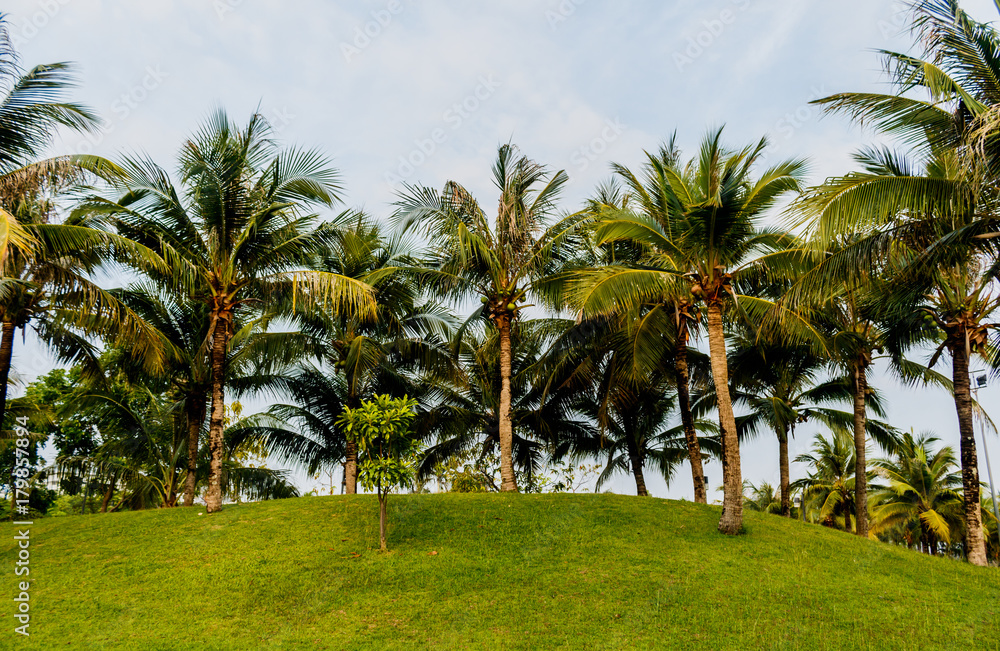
(485, 571)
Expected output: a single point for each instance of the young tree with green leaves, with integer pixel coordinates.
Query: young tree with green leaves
(382, 428)
(388, 351)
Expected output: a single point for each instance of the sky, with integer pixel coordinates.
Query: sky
(404, 91)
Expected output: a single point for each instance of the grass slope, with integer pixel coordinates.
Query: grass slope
(485, 571)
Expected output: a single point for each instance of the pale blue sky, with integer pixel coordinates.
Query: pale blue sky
(403, 90)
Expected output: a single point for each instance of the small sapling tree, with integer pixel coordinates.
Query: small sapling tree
(382, 428)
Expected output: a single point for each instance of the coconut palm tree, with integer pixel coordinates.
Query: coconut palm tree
(762, 498)
(920, 500)
(635, 433)
(781, 385)
(142, 460)
(710, 234)
(933, 285)
(828, 490)
(946, 202)
(302, 431)
(954, 307)
(31, 112)
(234, 236)
(465, 421)
(499, 260)
(406, 334)
(630, 405)
(675, 319)
(184, 325)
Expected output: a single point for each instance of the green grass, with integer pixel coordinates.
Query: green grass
(510, 571)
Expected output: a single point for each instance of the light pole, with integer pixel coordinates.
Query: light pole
(980, 382)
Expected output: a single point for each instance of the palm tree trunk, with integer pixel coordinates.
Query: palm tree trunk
(351, 454)
(6, 353)
(859, 383)
(635, 460)
(732, 480)
(786, 501)
(687, 420)
(195, 408)
(220, 341)
(508, 481)
(351, 468)
(975, 544)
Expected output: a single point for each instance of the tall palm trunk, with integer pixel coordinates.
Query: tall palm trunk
(351, 468)
(682, 376)
(220, 341)
(6, 353)
(859, 384)
(732, 480)
(786, 501)
(351, 453)
(508, 481)
(195, 408)
(635, 460)
(975, 544)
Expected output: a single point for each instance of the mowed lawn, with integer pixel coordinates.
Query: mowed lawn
(485, 571)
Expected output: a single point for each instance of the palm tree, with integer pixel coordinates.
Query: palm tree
(710, 234)
(303, 431)
(635, 433)
(631, 406)
(234, 237)
(829, 489)
(762, 499)
(944, 206)
(955, 307)
(934, 286)
(184, 325)
(921, 500)
(780, 385)
(405, 334)
(31, 111)
(500, 262)
(142, 455)
(675, 318)
(465, 421)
